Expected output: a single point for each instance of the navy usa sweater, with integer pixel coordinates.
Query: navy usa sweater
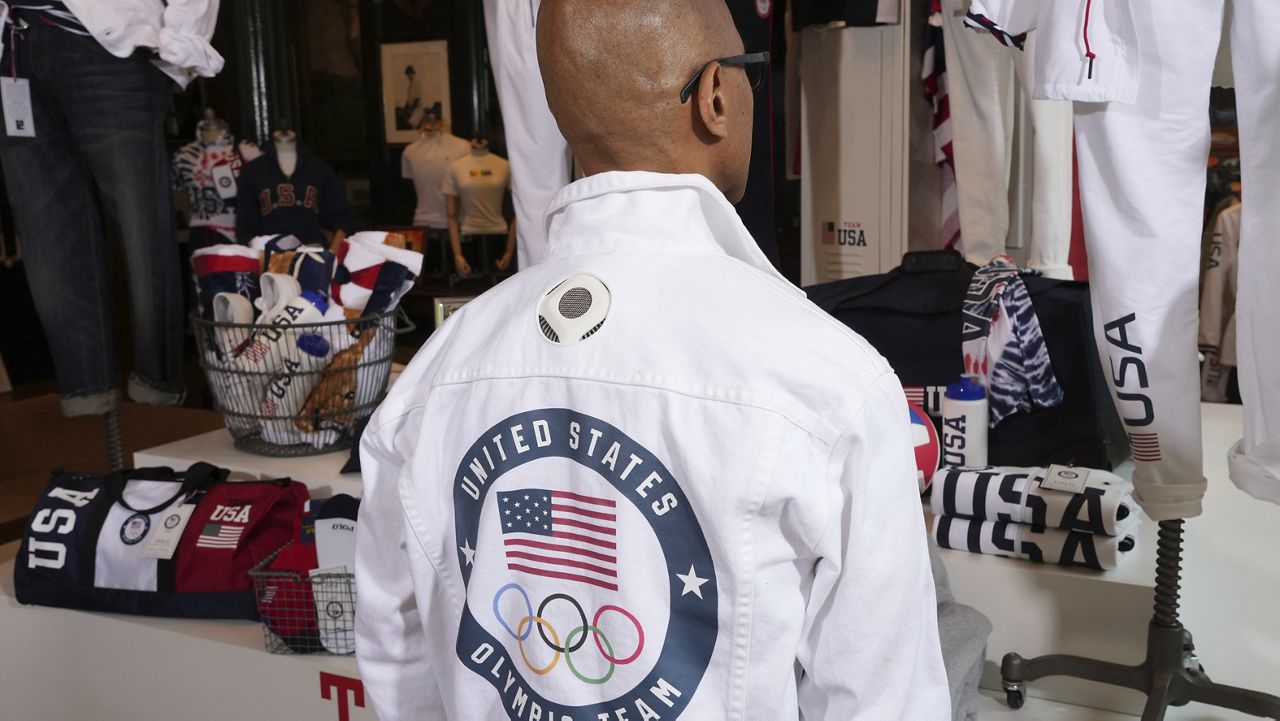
(268, 203)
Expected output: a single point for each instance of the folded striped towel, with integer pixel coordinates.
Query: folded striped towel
(225, 268)
(1016, 540)
(1007, 493)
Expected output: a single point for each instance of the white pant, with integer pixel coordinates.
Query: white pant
(1142, 181)
(540, 159)
(980, 76)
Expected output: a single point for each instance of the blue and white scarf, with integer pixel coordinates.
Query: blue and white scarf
(1003, 344)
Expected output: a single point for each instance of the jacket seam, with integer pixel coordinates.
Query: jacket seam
(745, 615)
(824, 439)
(858, 411)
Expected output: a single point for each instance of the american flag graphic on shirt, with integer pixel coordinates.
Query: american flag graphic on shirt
(561, 535)
(219, 535)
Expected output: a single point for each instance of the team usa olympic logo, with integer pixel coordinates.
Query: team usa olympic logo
(574, 641)
(563, 617)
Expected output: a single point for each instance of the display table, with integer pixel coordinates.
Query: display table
(58, 665)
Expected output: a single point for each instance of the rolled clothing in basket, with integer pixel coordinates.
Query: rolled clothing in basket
(268, 347)
(225, 268)
(1007, 493)
(312, 267)
(277, 290)
(268, 244)
(231, 308)
(335, 399)
(371, 276)
(287, 603)
(1017, 540)
(287, 391)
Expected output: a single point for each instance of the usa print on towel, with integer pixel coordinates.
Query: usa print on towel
(591, 590)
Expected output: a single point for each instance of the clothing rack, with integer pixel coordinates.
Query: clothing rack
(1171, 675)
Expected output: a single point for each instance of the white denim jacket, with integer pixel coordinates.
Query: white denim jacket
(717, 492)
(179, 30)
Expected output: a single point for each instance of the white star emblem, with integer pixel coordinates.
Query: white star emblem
(536, 504)
(526, 498)
(468, 551)
(508, 511)
(508, 525)
(692, 584)
(544, 526)
(528, 525)
(504, 499)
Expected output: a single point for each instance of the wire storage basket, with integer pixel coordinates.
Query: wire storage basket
(297, 389)
(313, 614)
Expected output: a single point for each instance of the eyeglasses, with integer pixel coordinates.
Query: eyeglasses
(755, 65)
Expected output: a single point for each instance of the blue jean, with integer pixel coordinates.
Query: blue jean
(99, 136)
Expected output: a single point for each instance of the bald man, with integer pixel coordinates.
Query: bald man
(645, 478)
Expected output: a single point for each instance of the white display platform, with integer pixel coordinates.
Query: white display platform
(321, 474)
(58, 665)
(1231, 583)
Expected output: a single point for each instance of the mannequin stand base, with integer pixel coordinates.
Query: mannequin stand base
(115, 445)
(1171, 675)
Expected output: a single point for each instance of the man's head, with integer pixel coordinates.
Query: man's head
(614, 69)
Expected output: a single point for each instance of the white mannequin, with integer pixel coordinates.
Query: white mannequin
(286, 142)
(479, 149)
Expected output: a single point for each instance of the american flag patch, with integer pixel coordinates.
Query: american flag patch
(1145, 446)
(219, 535)
(562, 535)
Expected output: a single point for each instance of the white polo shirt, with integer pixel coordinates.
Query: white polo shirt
(425, 162)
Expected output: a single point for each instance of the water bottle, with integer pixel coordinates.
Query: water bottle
(964, 424)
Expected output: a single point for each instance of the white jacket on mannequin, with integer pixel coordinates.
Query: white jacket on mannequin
(734, 518)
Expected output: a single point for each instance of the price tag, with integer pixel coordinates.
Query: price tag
(1066, 479)
(224, 180)
(15, 95)
(164, 542)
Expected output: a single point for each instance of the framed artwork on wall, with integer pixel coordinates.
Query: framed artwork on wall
(415, 80)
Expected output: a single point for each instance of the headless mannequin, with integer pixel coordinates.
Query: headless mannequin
(286, 145)
(479, 148)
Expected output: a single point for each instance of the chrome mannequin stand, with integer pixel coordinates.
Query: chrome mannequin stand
(1170, 676)
(115, 446)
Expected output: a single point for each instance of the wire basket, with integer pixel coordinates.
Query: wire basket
(300, 389)
(315, 614)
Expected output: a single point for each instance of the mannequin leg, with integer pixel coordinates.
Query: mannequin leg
(1255, 461)
(115, 109)
(540, 159)
(1051, 122)
(980, 77)
(1142, 181)
(64, 253)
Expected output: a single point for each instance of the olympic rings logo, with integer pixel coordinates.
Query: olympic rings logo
(573, 642)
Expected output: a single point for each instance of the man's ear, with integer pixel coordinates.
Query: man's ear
(712, 101)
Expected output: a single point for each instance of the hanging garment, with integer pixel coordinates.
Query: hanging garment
(1003, 345)
(1219, 287)
(933, 72)
(540, 160)
(1016, 540)
(1142, 178)
(1005, 493)
(981, 76)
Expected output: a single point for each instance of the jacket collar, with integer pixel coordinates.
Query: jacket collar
(639, 211)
